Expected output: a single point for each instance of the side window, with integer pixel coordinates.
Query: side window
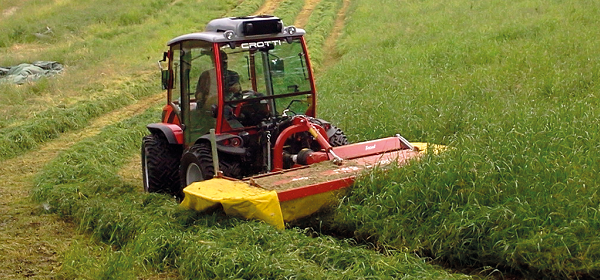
(295, 76)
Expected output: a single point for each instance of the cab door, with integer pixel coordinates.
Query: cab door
(194, 63)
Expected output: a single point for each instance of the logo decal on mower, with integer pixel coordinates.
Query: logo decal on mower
(370, 147)
(261, 44)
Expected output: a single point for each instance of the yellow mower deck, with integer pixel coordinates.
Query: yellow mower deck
(288, 195)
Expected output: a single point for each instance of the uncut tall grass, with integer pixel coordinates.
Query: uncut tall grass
(288, 10)
(512, 88)
(319, 26)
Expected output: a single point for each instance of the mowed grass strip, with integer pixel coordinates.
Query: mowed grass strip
(512, 89)
(37, 112)
(318, 28)
(109, 52)
(49, 124)
(288, 10)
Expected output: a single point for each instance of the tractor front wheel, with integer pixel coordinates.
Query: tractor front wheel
(197, 165)
(160, 164)
(335, 134)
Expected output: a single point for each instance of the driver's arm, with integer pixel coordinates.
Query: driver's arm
(233, 88)
(233, 82)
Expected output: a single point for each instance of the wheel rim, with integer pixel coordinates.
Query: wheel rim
(193, 174)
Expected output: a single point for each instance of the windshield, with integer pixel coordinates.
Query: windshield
(272, 75)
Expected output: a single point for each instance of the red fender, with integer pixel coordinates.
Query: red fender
(172, 132)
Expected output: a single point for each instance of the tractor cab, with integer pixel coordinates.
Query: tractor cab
(235, 75)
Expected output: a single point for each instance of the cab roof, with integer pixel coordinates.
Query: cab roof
(233, 29)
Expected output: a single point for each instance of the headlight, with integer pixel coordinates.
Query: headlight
(290, 30)
(229, 34)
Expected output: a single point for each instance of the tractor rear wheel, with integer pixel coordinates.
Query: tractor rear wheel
(160, 164)
(197, 165)
(338, 138)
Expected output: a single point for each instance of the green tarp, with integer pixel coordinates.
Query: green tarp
(26, 72)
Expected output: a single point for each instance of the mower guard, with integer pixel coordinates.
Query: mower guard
(287, 195)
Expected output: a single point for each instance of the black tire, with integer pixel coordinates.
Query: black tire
(337, 138)
(197, 165)
(336, 135)
(160, 165)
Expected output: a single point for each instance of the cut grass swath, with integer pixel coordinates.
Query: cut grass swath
(288, 10)
(246, 8)
(320, 24)
(50, 123)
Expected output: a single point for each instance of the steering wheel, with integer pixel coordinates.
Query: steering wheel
(251, 112)
(287, 109)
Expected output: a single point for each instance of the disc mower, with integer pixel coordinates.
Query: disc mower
(241, 106)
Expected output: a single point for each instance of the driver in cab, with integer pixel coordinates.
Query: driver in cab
(206, 89)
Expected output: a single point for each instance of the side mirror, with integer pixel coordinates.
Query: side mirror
(164, 78)
(164, 73)
(277, 67)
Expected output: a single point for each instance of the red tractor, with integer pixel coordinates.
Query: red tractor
(250, 79)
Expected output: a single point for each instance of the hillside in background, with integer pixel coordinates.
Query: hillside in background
(510, 87)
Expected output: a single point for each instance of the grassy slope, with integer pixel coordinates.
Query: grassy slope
(105, 47)
(512, 87)
(91, 39)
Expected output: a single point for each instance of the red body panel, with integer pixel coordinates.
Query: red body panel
(173, 132)
(309, 190)
(169, 115)
(312, 110)
(219, 126)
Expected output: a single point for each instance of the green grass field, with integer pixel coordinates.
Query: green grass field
(510, 87)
